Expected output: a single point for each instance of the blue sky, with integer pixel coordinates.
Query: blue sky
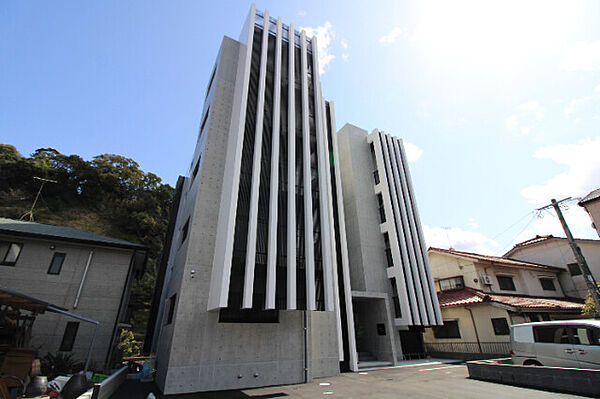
(499, 102)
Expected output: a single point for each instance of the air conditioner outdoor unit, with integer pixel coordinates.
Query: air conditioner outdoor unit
(487, 280)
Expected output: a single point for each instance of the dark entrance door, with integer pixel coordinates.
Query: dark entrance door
(412, 343)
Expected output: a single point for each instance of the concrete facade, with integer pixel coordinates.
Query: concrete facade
(104, 296)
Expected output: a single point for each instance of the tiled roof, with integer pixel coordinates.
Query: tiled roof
(469, 296)
(541, 239)
(495, 259)
(533, 240)
(19, 227)
(591, 196)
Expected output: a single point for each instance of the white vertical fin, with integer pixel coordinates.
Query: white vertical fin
(274, 193)
(291, 169)
(254, 192)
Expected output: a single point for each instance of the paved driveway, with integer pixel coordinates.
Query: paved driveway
(424, 381)
(415, 381)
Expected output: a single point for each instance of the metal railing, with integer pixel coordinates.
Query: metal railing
(468, 347)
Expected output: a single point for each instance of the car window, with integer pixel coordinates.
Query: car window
(551, 334)
(586, 336)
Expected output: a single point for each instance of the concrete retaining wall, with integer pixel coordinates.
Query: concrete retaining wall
(574, 381)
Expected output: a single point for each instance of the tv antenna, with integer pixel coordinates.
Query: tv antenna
(30, 212)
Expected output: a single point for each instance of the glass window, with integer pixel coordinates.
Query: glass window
(172, 302)
(586, 336)
(56, 263)
(500, 326)
(551, 334)
(448, 330)
(547, 284)
(69, 336)
(453, 283)
(574, 269)
(506, 283)
(381, 208)
(11, 254)
(184, 231)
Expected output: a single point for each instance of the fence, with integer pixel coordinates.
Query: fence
(468, 347)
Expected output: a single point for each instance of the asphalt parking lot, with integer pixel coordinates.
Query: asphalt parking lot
(433, 380)
(419, 381)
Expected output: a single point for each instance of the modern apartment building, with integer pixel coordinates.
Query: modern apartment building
(258, 287)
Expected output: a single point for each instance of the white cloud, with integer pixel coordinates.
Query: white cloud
(535, 108)
(574, 105)
(597, 89)
(413, 152)
(473, 225)
(344, 43)
(345, 57)
(581, 176)
(527, 115)
(323, 34)
(462, 240)
(581, 56)
(393, 35)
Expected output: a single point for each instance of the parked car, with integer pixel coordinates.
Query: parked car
(564, 343)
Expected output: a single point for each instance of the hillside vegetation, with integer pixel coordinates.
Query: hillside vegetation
(108, 195)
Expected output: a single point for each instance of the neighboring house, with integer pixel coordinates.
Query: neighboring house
(591, 203)
(481, 296)
(87, 274)
(556, 251)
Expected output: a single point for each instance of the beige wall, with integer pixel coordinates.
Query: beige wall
(482, 315)
(558, 253)
(593, 209)
(99, 300)
(526, 280)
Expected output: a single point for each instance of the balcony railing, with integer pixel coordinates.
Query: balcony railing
(468, 347)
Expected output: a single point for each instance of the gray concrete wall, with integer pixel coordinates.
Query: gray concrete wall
(100, 297)
(196, 352)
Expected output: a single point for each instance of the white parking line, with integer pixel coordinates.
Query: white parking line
(442, 368)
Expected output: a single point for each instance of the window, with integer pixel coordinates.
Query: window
(210, 82)
(551, 334)
(547, 284)
(452, 283)
(506, 283)
(172, 302)
(227, 315)
(195, 172)
(586, 336)
(381, 210)
(184, 231)
(69, 336)
(11, 251)
(574, 269)
(376, 176)
(56, 263)
(448, 330)
(395, 300)
(388, 250)
(204, 120)
(500, 326)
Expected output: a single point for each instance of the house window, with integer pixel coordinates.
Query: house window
(452, 283)
(184, 231)
(69, 336)
(11, 250)
(500, 326)
(172, 302)
(56, 263)
(448, 330)
(574, 269)
(506, 283)
(547, 284)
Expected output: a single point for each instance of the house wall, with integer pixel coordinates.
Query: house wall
(557, 252)
(526, 280)
(100, 297)
(593, 209)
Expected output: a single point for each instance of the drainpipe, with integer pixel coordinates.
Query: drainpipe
(87, 266)
(305, 322)
(475, 327)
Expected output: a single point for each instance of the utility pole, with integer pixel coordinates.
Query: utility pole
(585, 270)
(30, 212)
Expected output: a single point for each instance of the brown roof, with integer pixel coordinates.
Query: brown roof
(594, 195)
(495, 259)
(540, 239)
(469, 296)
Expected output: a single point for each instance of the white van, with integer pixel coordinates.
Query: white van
(564, 343)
